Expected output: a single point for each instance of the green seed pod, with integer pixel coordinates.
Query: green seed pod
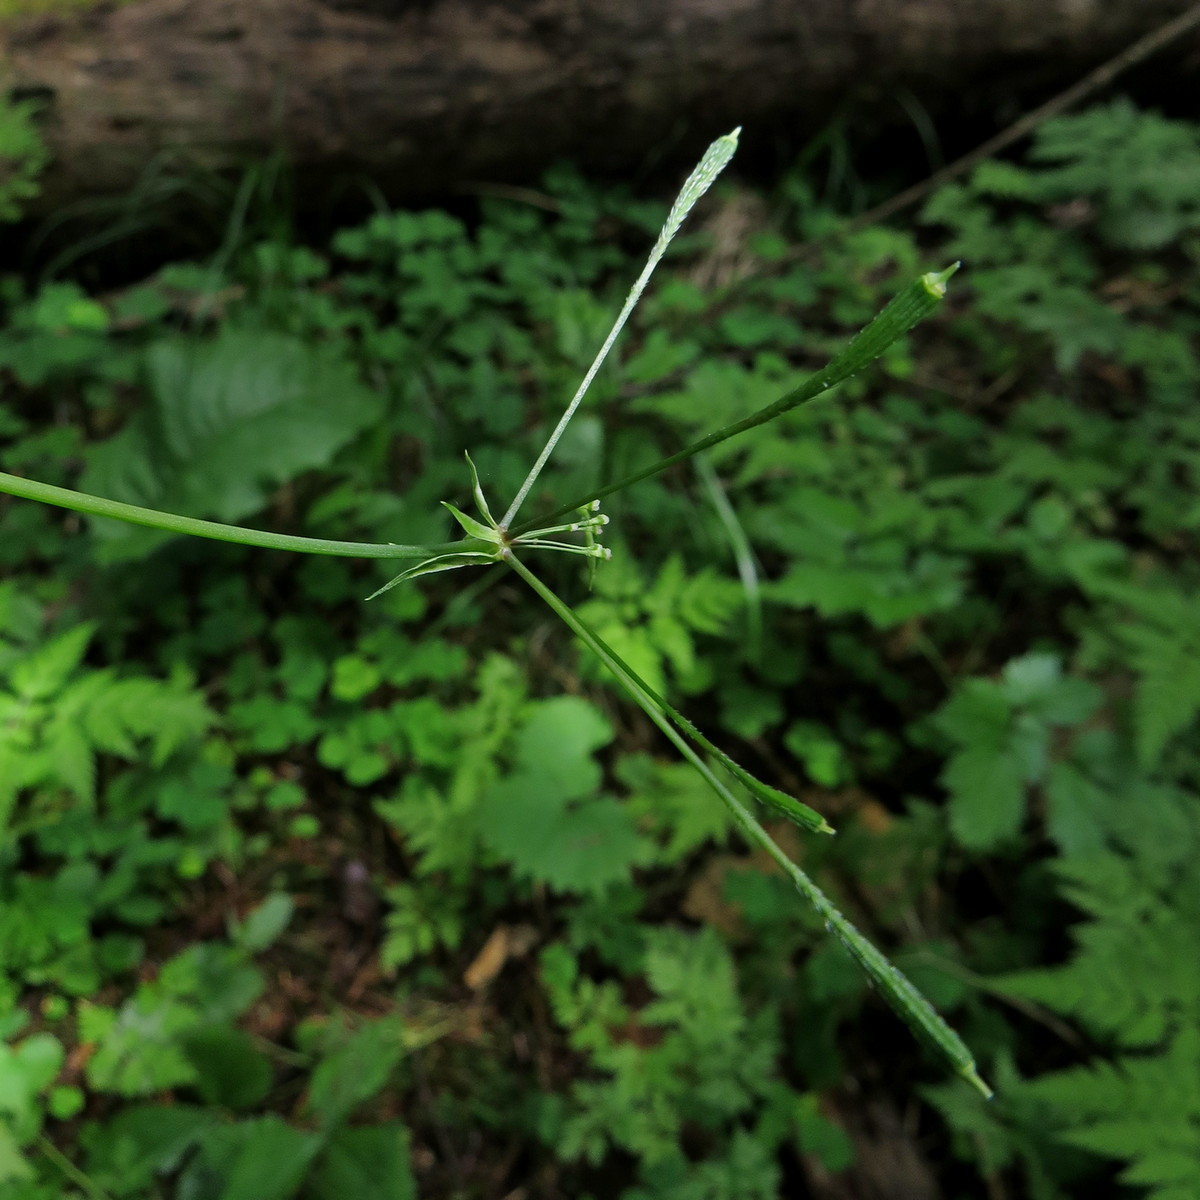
(895, 987)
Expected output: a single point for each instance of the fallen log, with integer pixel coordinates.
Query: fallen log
(425, 94)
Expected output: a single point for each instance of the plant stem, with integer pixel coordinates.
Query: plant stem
(649, 703)
(743, 555)
(715, 159)
(913, 304)
(70, 1170)
(97, 506)
(897, 989)
(796, 812)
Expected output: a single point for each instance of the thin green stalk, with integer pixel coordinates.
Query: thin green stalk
(97, 506)
(743, 554)
(788, 806)
(905, 1000)
(715, 160)
(913, 304)
(70, 1170)
(647, 700)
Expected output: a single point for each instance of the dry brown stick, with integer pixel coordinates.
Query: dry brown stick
(1089, 84)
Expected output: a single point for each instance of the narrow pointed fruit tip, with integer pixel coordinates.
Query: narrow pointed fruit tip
(825, 827)
(976, 1081)
(935, 281)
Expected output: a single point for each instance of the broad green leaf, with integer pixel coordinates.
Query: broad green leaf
(987, 797)
(230, 1069)
(821, 753)
(1036, 684)
(574, 845)
(27, 1069)
(978, 713)
(558, 739)
(265, 923)
(144, 1140)
(821, 1137)
(545, 819)
(67, 758)
(271, 1162)
(371, 1163)
(214, 977)
(354, 677)
(143, 1051)
(354, 1072)
(1074, 806)
(14, 1166)
(229, 420)
(48, 668)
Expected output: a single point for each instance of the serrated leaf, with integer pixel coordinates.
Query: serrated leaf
(571, 845)
(145, 1140)
(987, 797)
(229, 420)
(979, 712)
(48, 668)
(1031, 676)
(166, 713)
(1167, 698)
(355, 1071)
(66, 758)
(142, 1053)
(230, 1069)
(1074, 804)
(673, 802)
(371, 1163)
(544, 818)
(1036, 684)
(271, 1162)
(558, 739)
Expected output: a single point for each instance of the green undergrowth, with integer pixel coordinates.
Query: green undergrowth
(305, 897)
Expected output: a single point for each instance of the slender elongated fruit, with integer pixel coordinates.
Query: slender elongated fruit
(716, 159)
(895, 987)
(913, 304)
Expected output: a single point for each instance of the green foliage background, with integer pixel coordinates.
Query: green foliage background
(301, 897)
